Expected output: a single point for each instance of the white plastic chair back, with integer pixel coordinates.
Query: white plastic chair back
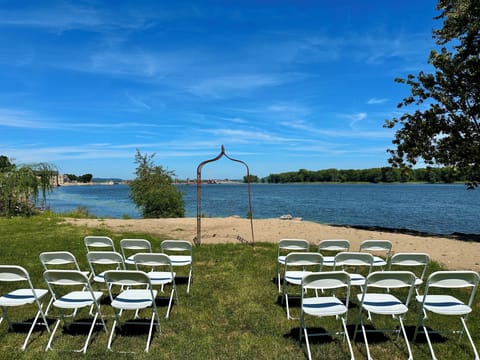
(130, 247)
(99, 243)
(286, 246)
(376, 247)
(21, 296)
(181, 254)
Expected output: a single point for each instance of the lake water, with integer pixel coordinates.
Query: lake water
(439, 209)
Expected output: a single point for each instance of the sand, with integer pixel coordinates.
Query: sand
(452, 253)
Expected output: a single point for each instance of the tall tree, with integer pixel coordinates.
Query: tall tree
(153, 191)
(444, 129)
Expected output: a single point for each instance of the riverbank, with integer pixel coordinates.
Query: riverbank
(454, 254)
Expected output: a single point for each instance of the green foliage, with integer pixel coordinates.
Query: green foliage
(20, 186)
(444, 126)
(251, 178)
(153, 191)
(85, 178)
(373, 175)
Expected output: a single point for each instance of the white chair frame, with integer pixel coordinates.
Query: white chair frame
(375, 247)
(132, 298)
(21, 297)
(156, 261)
(181, 255)
(332, 246)
(385, 303)
(357, 260)
(324, 306)
(410, 260)
(74, 300)
(286, 246)
(130, 247)
(448, 305)
(301, 262)
(99, 243)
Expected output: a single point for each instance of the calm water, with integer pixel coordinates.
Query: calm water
(440, 209)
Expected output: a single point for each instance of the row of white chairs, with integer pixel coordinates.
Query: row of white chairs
(379, 298)
(152, 269)
(180, 251)
(328, 247)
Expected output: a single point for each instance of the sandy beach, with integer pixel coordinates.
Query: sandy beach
(453, 253)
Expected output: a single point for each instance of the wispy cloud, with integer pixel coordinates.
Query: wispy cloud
(376, 101)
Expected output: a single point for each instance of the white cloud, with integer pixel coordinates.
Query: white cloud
(375, 101)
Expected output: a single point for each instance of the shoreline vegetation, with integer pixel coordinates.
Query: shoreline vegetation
(225, 230)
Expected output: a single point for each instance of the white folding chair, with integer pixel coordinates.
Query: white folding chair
(180, 253)
(297, 266)
(130, 247)
(354, 263)
(63, 286)
(59, 260)
(332, 246)
(446, 304)
(133, 298)
(99, 243)
(377, 299)
(160, 274)
(324, 306)
(21, 297)
(377, 248)
(101, 261)
(286, 246)
(411, 261)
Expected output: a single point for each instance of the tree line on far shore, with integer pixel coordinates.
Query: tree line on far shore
(445, 175)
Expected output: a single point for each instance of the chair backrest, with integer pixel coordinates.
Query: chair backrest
(293, 245)
(176, 245)
(15, 273)
(59, 259)
(95, 243)
(152, 260)
(134, 246)
(335, 245)
(66, 278)
(374, 246)
(410, 260)
(304, 259)
(127, 278)
(351, 258)
(326, 280)
(454, 280)
(105, 258)
(391, 280)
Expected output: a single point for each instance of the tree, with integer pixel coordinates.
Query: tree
(20, 186)
(445, 127)
(153, 191)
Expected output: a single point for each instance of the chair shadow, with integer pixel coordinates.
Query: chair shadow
(24, 326)
(81, 326)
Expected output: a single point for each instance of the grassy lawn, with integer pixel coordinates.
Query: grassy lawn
(232, 312)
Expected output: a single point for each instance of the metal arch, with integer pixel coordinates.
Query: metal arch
(198, 239)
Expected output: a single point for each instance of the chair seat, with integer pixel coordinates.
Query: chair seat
(357, 280)
(133, 299)
(21, 297)
(328, 261)
(383, 304)
(378, 261)
(296, 277)
(77, 299)
(160, 277)
(444, 304)
(180, 260)
(323, 306)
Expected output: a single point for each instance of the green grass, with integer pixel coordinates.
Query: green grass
(233, 311)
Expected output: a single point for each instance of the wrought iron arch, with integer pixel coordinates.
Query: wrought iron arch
(198, 239)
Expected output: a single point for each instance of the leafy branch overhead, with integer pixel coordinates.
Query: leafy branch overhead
(444, 127)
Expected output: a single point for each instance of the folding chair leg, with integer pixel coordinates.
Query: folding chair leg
(369, 357)
(410, 355)
(348, 339)
(84, 348)
(189, 280)
(112, 332)
(147, 347)
(33, 326)
(470, 338)
(308, 344)
(49, 344)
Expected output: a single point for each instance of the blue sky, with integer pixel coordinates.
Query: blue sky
(283, 85)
